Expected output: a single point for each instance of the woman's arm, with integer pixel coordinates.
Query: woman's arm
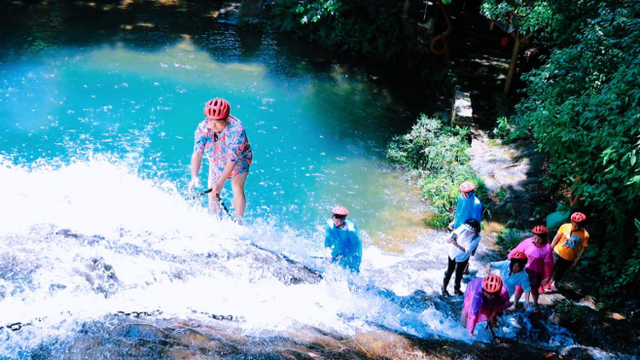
(196, 162)
(226, 172)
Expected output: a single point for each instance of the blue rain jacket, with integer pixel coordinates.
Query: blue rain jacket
(345, 245)
(469, 208)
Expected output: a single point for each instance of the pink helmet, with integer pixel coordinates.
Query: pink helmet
(340, 210)
(217, 109)
(578, 217)
(467, 186)
(492, 283)
(540, 230)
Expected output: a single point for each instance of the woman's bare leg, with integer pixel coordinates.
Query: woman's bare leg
(239, 200)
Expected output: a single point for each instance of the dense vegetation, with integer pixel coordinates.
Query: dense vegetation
(439, 156)
(367, 28)
(582, 108)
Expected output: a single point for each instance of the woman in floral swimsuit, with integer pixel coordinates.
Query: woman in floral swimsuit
(223, 139)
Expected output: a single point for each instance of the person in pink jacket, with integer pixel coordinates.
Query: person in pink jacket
(540, 264)
(484, 300)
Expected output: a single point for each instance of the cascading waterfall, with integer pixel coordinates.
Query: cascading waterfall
(89, 239)
(85, 241)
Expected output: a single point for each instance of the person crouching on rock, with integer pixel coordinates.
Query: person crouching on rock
(485, 300)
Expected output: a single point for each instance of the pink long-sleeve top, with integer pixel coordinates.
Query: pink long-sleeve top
(540, 258)
(478, 308)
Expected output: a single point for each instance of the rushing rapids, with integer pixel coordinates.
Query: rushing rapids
(102, 261)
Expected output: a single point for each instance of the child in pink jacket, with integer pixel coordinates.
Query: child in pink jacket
(484, 300)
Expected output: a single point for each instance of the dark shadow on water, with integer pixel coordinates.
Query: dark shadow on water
(31, 27)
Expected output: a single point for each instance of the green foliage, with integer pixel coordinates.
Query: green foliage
(440, 156)
(582, 109)
(501, 130)
(570, 314)
(510, 238)
(284, 17)
(290, 15)
(501, 194)
(631, 275)
(359, 29)
(527, 16)
(314, 10)
(552, 21)
(430, 147)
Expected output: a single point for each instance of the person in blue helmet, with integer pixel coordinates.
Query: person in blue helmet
(341, 241)
(468, 206)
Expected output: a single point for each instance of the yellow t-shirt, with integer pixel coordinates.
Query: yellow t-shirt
(567, 246)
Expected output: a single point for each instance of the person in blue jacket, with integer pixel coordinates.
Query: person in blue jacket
(468, 206)
(342, 242)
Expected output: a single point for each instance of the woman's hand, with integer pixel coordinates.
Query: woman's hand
(493, 320)
(194, 183)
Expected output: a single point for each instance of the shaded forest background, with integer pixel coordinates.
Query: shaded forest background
(579, 105)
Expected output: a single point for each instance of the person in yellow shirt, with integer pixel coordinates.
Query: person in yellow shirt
(568, 246)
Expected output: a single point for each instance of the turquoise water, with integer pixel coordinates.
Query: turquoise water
(319, 131)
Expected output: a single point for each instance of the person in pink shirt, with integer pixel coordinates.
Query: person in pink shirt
(223, 139)
(540, 264)
(484, 300)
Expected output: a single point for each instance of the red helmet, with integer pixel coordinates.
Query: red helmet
(492, 283)
(540, 230)
(519, 255)
(578, 217)
(467, 186)
(340, 210)
(217, 109)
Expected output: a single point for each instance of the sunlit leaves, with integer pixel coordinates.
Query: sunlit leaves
(355, 28)
(439, 155)
(583, 107)
(526, 16)
(314, 10)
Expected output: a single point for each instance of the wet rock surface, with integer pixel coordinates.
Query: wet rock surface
(149, 334)
(512, 175)
(180, 339)
(102, 277)
(579, 313)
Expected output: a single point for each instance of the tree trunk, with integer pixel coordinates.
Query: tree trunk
(512, 66)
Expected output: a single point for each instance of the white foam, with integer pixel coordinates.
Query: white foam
(170, 255)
